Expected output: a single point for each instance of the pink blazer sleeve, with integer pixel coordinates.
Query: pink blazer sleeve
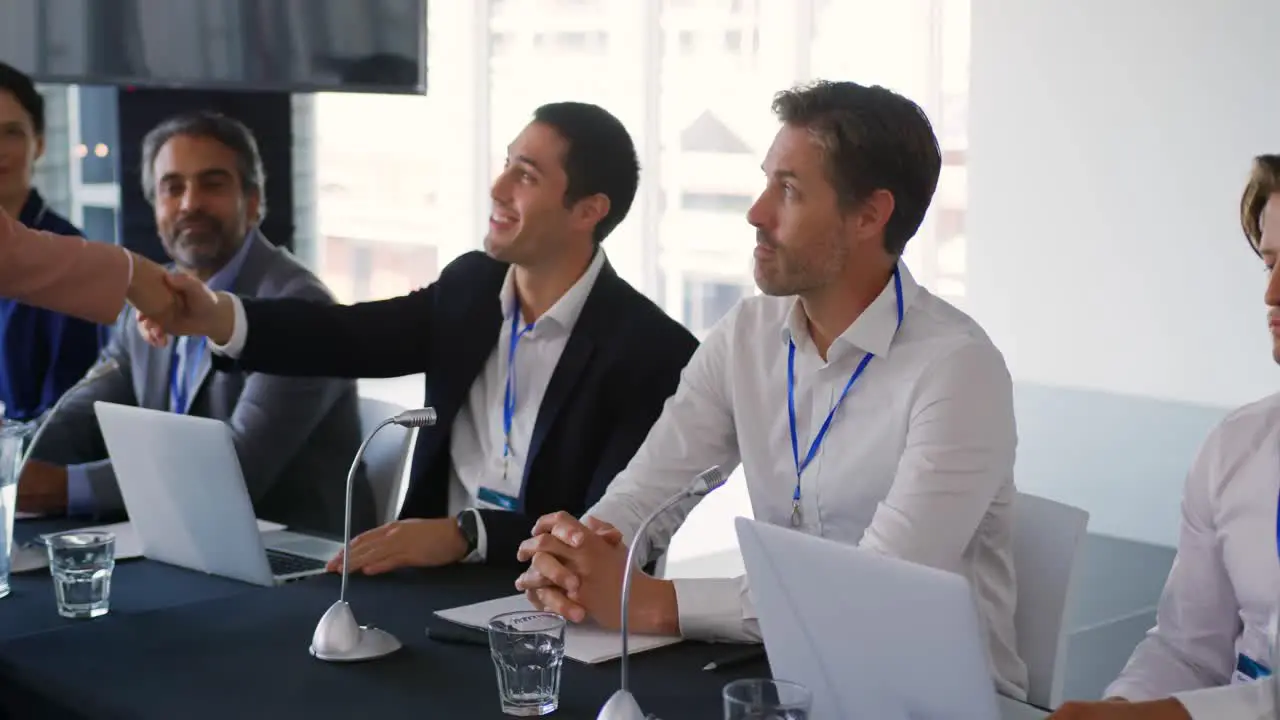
(65, 274)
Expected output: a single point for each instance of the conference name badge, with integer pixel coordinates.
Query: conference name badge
(1248, 670)
(494, 500)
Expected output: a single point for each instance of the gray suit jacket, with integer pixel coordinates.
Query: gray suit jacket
(295, 437)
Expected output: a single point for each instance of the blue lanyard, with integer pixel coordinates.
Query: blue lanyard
(822, 431)
(509, 397)
(182, 373)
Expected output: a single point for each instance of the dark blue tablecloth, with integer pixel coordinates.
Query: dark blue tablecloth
(137, 586)
(245, 656)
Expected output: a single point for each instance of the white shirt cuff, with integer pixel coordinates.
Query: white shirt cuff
(239, 332)
(1246, 701)
(713, 609)
(482, 540)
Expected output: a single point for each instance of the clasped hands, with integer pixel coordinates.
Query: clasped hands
(175, 303)
(576, 570)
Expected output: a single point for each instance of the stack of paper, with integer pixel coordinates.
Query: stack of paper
(586, 642)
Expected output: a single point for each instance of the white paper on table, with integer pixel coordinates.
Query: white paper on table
(22, 515)
(33, 555)
(584, 642)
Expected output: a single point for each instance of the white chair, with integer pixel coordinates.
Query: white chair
(387, 457)
(1047, 537)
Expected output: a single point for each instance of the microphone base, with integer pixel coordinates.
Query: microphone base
(621, 706)
(339, 639)
(373, 644)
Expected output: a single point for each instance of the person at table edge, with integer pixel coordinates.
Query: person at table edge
(74, 276)
(546, 369)
(1209, 654)
(42, 352)
(294, 437)
(49, 266)
(862, 407)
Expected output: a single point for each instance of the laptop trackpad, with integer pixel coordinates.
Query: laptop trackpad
(303, 545)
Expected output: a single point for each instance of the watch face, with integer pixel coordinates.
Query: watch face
(467, 525)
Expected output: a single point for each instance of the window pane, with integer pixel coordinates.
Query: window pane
(546, 51)
(100, 223)
(99, 133)
(921, 49)
(396, 197)
(391, 195)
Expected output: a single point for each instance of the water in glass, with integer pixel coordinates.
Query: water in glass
(81, 565)
(528, 651)
(13, 437)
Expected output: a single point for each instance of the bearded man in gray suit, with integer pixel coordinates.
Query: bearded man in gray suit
(295, 437)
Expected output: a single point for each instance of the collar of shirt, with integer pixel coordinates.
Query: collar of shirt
(872, 332)
(226, 277)
(33, 210)
(564, 313)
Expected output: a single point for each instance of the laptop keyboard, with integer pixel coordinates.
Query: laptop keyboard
(285, 564)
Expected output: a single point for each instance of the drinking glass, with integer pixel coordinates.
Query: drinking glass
(763, 699)
(528, 650)
(13, 437)
(81, 563)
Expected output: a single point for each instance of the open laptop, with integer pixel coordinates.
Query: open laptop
(870, 636)
(188, 503)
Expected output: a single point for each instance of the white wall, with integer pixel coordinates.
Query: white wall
(1109, 143)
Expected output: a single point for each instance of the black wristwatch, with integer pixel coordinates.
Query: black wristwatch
(470, 532)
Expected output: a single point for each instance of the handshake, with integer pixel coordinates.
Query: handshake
(175, 303)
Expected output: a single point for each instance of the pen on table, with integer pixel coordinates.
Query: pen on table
(741, 658)
(458, 636)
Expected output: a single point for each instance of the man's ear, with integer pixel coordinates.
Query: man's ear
(590, 211)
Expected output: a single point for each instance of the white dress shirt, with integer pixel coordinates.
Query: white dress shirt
(917, 463)
(1244, 701)
(1223, 589)
(477, 437)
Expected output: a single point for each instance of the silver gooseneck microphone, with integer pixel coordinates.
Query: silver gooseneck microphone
(94, 374)
(623, 705)
(338, 638)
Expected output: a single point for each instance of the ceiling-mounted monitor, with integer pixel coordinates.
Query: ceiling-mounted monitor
(276, 45)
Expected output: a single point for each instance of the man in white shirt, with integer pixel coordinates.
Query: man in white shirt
(862, 407)
(1211, 643)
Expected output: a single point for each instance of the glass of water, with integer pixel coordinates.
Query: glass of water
(81, 565)
(13, 436)
(760, 699)
(528, 650)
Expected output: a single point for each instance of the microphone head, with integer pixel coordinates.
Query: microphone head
(707, 480)
(422, 417)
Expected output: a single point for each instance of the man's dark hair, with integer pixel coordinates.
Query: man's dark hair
(601, 158)
(872, 139)
(20, 86)
(215, 126)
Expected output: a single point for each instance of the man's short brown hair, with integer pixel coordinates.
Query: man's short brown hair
(1264, 181)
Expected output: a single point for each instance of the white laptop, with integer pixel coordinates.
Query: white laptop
(187, 500)
(870, 636)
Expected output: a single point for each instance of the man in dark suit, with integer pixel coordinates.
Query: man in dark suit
(545, 368)
(294, 437)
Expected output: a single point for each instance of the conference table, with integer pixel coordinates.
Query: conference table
(181, 644)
